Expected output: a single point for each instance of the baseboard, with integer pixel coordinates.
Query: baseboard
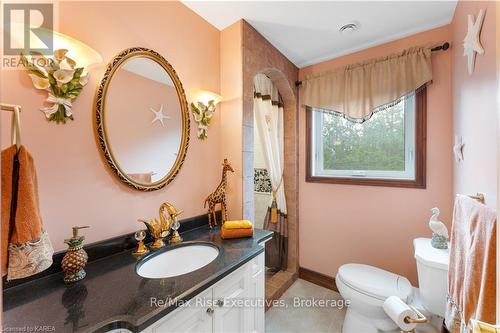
(318, 278)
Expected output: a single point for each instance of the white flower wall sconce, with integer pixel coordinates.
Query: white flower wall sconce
(472, 44)
(59, 75)
(203, 108)
(62, 80)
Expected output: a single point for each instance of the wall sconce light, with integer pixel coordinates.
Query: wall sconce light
(77, 50)
(203, 105)
(86, 56)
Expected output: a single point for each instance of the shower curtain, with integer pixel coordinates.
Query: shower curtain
(268, 117)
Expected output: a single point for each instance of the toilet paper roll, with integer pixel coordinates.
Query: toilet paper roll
(398, 310)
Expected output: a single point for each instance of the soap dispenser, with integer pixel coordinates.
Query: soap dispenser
(75, 259)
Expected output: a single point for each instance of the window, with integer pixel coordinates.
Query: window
(386, 150)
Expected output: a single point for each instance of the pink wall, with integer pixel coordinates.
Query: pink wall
(376, 225)
(231, 113)
(475, 105)
(76, 186)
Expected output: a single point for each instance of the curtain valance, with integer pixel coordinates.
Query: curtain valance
(357, 91)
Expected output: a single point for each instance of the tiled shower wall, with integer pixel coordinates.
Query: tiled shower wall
(259, 56)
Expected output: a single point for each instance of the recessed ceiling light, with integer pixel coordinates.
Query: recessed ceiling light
(349, 28)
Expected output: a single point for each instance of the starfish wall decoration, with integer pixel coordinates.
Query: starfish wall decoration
(472, 44)
(159, 116)
(458, 149)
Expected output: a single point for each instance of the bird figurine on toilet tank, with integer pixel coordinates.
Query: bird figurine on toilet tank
(439, 231)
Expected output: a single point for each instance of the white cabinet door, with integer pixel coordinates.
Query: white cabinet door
(192, 318)
(230, 295)
(255, 312)
(233, 305)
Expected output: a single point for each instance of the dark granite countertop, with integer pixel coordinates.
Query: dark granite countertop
(113, 295)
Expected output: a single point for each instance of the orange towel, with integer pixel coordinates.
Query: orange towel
(235, 233)
(24, 243)
(472, 271)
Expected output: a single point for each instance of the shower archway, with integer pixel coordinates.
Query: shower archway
(260, 56)
(279, 282)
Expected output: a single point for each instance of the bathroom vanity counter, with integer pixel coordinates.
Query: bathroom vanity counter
(113, 295)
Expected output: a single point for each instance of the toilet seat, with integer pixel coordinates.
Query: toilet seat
(374, 282)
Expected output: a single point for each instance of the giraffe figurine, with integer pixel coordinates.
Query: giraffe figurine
(219, 196)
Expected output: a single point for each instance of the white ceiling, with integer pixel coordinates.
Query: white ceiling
(307, 32)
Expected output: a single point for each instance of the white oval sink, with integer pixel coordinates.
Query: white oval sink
(180, 260)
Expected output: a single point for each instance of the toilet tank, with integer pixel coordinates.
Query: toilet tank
(432, 269)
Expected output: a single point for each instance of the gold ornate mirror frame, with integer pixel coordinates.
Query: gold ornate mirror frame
(100, 115)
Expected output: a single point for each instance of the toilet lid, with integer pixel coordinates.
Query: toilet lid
(374, 282)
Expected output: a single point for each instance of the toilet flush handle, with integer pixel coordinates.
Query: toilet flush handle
(420, 320)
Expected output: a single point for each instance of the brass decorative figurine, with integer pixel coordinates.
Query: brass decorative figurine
(219, 196)
(142, 249)
(170, 213)
(75, 259)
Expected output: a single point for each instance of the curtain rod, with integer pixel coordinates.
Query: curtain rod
(443, 47)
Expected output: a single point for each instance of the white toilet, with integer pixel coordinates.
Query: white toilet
(367, 288)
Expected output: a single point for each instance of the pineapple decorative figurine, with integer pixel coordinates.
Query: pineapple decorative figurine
(75, 259)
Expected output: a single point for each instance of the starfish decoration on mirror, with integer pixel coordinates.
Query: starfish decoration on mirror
(458, 149)
(159, 116)
(472, 44)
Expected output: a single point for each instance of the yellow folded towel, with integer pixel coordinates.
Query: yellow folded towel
(480, 327)
(238, 224)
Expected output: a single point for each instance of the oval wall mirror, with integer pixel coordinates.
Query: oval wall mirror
(142, 119)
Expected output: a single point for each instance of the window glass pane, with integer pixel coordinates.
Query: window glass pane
(377, 144)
